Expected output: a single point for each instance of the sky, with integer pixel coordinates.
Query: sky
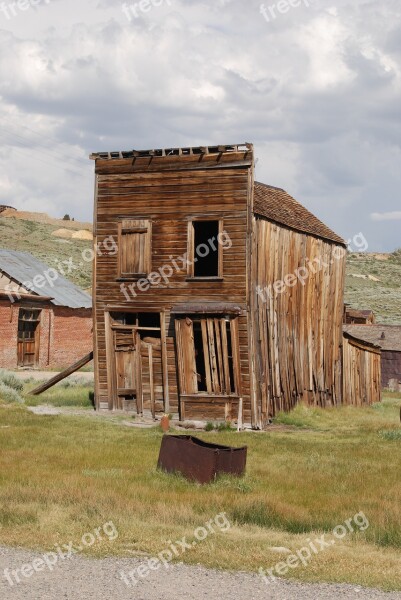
(314, 85)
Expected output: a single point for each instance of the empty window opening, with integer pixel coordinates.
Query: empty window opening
(139, 320)
(199, 358)
(206, 248)
(205, 355)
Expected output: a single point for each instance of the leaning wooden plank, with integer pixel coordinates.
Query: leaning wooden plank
(60, 376)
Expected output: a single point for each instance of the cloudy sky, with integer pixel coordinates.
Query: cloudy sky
(315, 85)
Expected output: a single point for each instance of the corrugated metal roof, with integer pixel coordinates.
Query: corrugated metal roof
(23, 268)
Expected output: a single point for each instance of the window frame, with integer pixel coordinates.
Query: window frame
(220, 382)
(191, 250)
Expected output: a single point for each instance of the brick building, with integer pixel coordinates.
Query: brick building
(45, 320)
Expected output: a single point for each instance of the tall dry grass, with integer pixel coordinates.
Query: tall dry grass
(61, 477)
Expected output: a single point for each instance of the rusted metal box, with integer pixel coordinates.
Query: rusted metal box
(198, 460)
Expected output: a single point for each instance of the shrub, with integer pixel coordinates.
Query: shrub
(8, 394)
(390, 435)
(226, 426)
(9, 380)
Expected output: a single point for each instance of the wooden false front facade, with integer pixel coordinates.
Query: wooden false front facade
(181, 321)
(157, 207)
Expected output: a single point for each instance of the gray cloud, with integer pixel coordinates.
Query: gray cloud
(316, 89)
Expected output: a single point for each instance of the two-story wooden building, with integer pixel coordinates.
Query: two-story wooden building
(221, 289)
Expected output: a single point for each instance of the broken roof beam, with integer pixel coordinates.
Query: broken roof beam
(184, 151)
(60, 376)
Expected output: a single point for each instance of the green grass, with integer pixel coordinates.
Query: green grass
(76, 393)
(63, 476)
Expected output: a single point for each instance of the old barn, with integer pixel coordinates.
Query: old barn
(45, 320)
(388, 339)
(225, 294)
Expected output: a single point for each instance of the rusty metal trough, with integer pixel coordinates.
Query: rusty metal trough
(198, 460)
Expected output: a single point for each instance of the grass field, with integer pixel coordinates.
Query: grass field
(382, 294)
(70, 392)
(63, 476)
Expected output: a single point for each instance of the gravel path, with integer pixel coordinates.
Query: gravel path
(87, 579)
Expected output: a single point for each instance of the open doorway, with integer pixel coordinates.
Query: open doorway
(137, 363)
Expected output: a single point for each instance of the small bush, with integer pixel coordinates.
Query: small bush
(391, 435)
(75, 383)
(8, 394)
(226, 426)
(9, 380)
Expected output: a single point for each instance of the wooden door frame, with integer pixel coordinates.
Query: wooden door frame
(36, 337)
(110, 359)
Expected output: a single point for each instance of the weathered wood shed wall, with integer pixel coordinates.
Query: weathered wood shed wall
(298, 273)
(388, 338)
(361, 372)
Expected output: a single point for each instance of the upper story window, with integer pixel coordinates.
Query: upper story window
(205, 250)
(135, 247)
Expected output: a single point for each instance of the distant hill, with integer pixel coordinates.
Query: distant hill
(373, 280)
(34, 233)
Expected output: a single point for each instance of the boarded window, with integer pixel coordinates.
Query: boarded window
(207, 352)
(135, 247)
(204, 250)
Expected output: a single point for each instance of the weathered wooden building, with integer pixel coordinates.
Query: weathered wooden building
(45, 320)
(222, 288)
(353, 316)
(361, 371)
(388, 338)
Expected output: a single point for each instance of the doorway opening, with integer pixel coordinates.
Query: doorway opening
(28, 337)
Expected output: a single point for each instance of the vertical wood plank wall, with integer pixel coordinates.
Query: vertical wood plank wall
(361, 373)
(170, 198)
(298, 333)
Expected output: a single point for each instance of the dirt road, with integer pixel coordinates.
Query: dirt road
(87, 579)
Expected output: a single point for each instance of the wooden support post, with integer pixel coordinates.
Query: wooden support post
(60, 376)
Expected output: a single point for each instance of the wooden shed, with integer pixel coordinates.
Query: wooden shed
(361, 371)
(388, 338)
(45, 320)
(353, 316)
(221, 289)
